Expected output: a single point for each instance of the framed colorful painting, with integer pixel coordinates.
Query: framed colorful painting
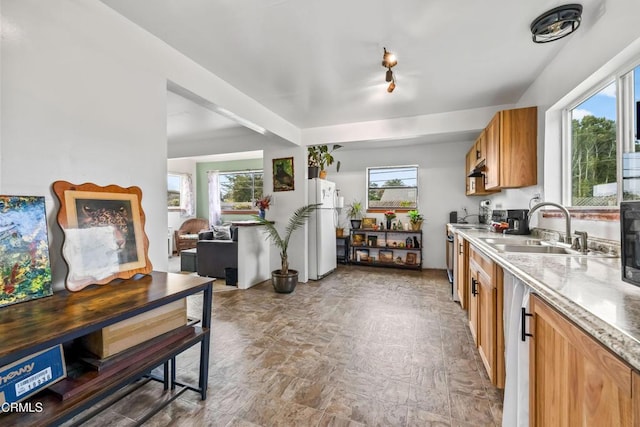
(104, 233)
(25, 270)
(283, 177)
(368, 223)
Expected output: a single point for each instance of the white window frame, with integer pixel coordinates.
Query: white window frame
(237, 172)
(366, 183)
(625, 110)
(181, 175)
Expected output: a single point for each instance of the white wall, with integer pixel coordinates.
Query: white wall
(84, 100)
(71, 112)
(284, 203)
(441, 186)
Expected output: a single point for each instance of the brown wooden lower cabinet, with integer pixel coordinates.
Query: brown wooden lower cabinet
(461, 272)
(485, 313)
(573, 379)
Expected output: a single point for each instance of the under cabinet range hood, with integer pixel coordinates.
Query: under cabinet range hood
(477, 172)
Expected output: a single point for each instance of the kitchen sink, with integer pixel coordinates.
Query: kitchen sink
(535, 249)
(548, 249)
(513, 241)
(471, 226)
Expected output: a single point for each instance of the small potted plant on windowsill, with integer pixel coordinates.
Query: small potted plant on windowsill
(354, 211)
(415, 218)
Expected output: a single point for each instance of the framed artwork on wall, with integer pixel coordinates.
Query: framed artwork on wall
(25, 270)
(104, 233)
(283, 176)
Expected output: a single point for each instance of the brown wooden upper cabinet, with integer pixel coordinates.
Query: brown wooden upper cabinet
(476, 157)
(480, 147)
(511, 149)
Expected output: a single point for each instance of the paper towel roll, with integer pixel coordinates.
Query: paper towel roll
(339, 202)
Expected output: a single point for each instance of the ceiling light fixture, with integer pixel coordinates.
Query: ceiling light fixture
(556, 23)
(389, 60)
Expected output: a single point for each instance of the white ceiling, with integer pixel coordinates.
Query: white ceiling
(318, 63)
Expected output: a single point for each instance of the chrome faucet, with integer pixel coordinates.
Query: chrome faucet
(583, 243)
(565, 212)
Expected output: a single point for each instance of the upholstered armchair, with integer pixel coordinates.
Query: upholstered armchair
(187, 235)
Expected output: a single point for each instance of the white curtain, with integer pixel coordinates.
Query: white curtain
(186, 196)
(214, 198)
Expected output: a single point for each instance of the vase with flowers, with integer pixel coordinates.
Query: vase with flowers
(389, 215)
(263, 205)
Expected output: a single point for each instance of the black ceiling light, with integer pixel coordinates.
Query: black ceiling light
(556, 23)
(388, 61)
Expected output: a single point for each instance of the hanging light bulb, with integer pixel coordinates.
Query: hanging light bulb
(392, 86)
(389, 60)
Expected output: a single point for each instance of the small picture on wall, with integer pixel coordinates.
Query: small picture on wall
(283, 174)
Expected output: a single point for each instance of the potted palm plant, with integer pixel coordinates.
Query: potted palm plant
(285, 279)
(354, 211)
(415, 218)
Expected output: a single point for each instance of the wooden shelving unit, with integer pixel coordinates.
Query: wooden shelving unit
(29, 327)
(379, 247)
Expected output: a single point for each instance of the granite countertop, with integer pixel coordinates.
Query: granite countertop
(588, 290)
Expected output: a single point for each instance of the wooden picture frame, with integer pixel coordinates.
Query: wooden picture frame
(385, 255)
(368, 223)
(358, 239)
(283, 176)
(411, 258)
(104, 236)
(362, 255)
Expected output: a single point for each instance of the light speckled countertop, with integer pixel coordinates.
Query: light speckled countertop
(588, 290)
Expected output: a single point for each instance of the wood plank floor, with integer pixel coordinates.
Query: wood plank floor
(364, 346)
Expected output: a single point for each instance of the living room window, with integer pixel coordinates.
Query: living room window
(238, 190)
(180, 193)
(392, 188)
(174, 185)
(603, 146)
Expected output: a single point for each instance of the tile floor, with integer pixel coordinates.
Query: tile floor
(364, 346)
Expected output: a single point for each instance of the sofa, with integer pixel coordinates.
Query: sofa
(217, 251)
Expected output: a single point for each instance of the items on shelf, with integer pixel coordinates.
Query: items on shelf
(398, 248)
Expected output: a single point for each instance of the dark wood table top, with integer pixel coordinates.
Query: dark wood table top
(38, 324)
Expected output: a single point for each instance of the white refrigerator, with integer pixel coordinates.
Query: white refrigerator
(322, 228)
